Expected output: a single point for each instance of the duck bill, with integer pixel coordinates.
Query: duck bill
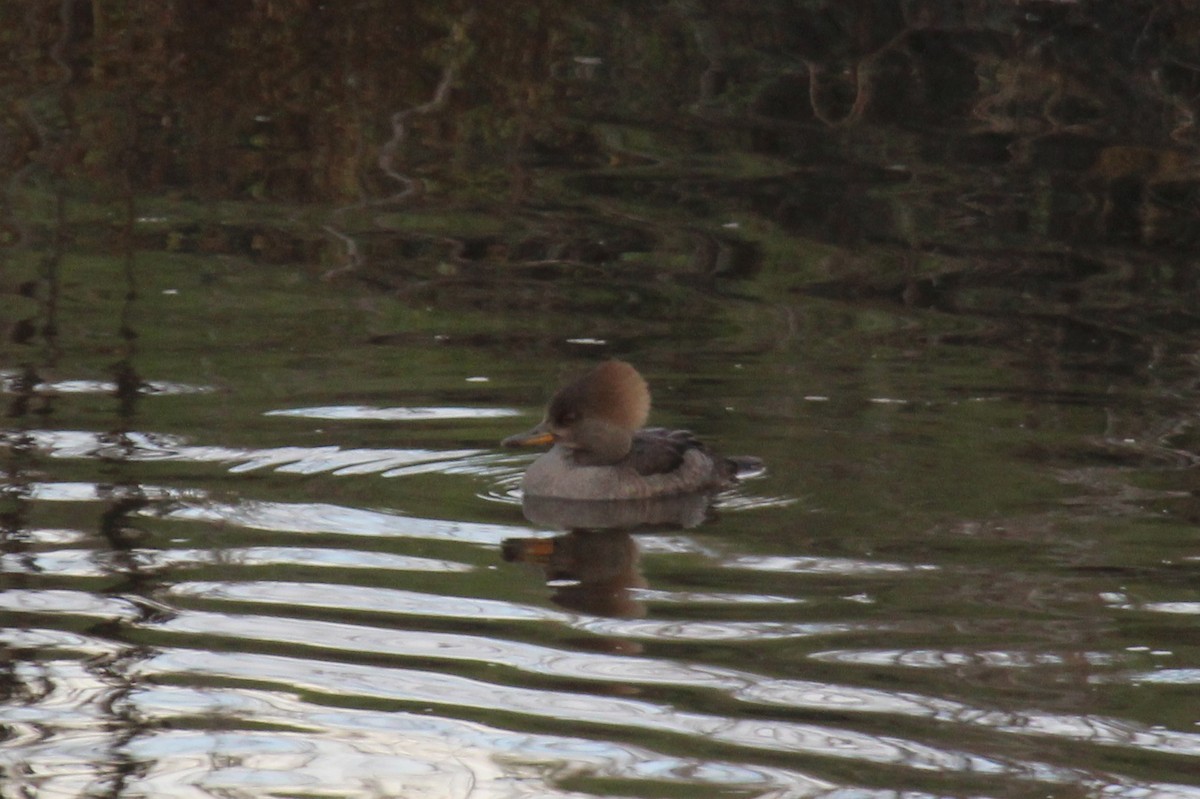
(537, 437)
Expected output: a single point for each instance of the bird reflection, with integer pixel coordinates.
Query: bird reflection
(591, 570)
(594, 567)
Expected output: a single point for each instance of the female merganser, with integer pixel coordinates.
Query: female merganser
(602, 452)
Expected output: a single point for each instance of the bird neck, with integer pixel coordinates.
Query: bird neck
(601, 443)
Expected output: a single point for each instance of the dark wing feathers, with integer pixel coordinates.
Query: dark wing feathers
(657, 450)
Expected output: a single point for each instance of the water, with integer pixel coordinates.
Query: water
(258, 536)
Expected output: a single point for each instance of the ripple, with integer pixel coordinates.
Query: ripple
(940, 659)
(530, 658)
(65, 562)
(365, 599)
(137, 446)
(844, 698)
(63, 764)
(621, 669)
(506, 490)
(316, 518)
(440, 689)
(674, 545)
(60, 641)
(1092, 729)
(339, 558)
(305, 518)
(1186, 608)
(69, 694)
(371, 752)
(814, 739)
(741, 502)
(79, 562)
(712, 598)
(60, 601)
(387, 752)
(94, 492)
(1096, 730)
(369, 413)
(75, 684)
(334, 459)
(715, 630)
(289, 764)
(47, 536)
(815, 565)
(8, 382)
(478, 463)
(1120, 601)
(1168, 677)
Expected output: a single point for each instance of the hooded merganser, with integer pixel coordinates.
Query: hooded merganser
(601, 451)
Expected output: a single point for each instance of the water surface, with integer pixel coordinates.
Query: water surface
(272, 298)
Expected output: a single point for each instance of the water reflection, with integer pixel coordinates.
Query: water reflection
(139, 446)
(594, 567)
(594, 572)
(401, 687)
(12, 383)
(591, 571)
(816, 565)
(219, 227)
(343, 412)
(682, 511)
(413, 754)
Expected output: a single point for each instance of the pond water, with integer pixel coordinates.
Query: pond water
(276, 281)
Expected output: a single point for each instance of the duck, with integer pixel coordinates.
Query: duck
(600, 448)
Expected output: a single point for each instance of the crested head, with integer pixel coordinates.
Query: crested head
(613, 392)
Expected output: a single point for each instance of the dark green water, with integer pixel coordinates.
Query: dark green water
(277, 280)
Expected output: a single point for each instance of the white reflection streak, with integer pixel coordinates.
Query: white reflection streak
(356, 598)
(62, 601)
(743, 686)
(385, 745)
(369, 752)
(89, 563)
(797, 693)
(304, 460)
(340, 520)
(530, 658)
(816, 565)
(312, 518)
(376, 741)
(441, 689)
(339, 558)
(368, 413)
(313, 460)
(1168, 677)
(713, 631)
(1186, 608)
(942, 659)
(7, 379)
(351, 597)
(1095, 730)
